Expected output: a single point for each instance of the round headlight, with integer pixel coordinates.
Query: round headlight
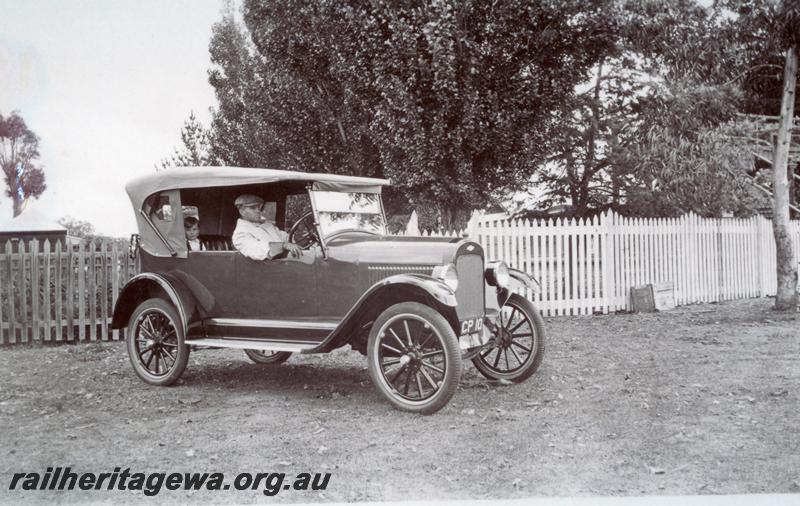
(448, 274)
(501, 275)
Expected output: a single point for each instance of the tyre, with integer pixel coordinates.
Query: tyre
(413, 358)
(268, 357)
(156, 344)
(518, 344)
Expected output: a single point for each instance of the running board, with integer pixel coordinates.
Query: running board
(248, 344)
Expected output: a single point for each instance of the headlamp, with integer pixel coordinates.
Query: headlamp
(497, 274)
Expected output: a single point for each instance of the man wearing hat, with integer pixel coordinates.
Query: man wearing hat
(255, 237)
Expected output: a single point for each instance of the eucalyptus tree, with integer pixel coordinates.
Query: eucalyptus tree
(19, 153)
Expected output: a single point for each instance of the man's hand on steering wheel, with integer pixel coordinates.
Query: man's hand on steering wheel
(294, 249)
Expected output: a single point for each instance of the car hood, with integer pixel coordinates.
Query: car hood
(397, 250)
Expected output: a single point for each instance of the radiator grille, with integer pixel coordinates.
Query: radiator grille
(379, 272)
(470, 286)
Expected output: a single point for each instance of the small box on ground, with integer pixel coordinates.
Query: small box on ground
(642, 299)
(653, 297)
(664, 295)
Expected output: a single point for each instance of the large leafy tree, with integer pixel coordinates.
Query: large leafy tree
(19, 153)
(456, 102)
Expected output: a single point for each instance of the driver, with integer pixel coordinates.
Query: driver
(255, 237)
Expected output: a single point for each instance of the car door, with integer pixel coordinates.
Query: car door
(278, 289)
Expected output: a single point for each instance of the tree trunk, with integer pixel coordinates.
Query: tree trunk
(786, 296)
(12, 188)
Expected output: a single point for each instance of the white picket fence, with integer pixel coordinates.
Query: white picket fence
(588, 266)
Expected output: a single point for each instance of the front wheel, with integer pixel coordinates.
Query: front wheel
(413, 358)
(156, 344)
(268, 357)
(517, 347)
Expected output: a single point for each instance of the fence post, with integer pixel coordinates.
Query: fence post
(23, 294)
(605, 234)
(35, 316)
(473, 224)
(81, 292)
(59, 313)
(762, 256)
(12, 323)
(70, 334)
(91, 272)
(115, 268)
(3, 282)
(104, 292)
(47, 292)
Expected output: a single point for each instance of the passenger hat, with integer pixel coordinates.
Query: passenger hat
(248, 200)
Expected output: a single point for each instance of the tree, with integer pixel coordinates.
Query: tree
(454, 101)
(786, 295)
(195, 149)
(645, 136)
(19, 150)
(77, 228)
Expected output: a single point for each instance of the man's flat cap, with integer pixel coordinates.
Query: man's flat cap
(248, 200)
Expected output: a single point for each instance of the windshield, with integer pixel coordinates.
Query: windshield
(338, 211)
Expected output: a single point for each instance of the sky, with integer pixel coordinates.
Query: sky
(107, 86)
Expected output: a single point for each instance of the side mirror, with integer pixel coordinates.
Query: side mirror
(133, 247)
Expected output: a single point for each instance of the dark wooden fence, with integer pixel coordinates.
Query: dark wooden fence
(57, 293)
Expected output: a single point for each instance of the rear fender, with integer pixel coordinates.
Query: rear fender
(190, 298)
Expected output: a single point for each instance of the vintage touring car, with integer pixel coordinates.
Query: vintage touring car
(416, 307)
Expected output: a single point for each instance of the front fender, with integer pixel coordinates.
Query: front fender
(521, 280)
(387, 292)
(436, 288)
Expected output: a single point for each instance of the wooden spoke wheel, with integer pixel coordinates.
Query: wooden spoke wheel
(156, 344)
(517, 348)
(413, 358)
(268, 357)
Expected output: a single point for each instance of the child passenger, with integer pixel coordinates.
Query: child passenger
(192, 228)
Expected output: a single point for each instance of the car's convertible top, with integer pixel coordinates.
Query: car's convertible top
(202, 177)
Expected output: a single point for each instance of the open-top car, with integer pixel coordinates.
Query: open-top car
(416, 307)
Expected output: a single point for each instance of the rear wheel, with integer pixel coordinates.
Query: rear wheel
(413, 358)
(268, 357)
(518, 344)
(156, 346)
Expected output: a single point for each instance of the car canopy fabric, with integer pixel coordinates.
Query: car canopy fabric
(200, 177)
(167, 183)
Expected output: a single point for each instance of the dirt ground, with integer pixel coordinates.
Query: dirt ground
(699, 400)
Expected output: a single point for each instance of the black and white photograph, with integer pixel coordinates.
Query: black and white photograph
(415, 252)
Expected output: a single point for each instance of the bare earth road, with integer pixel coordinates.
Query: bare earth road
(699, 400)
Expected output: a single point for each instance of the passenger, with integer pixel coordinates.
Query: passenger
(256, 237)
(192, 227)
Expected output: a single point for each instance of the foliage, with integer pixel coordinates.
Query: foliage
(688, 157)
(76, 227)
(195, 149)
(454, 101)
(703, 173)
(86, 231)
(647, 136)
(19, 151)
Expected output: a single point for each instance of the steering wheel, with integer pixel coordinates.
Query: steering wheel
(303, 232)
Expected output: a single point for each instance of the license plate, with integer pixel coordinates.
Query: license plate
(472, 325)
